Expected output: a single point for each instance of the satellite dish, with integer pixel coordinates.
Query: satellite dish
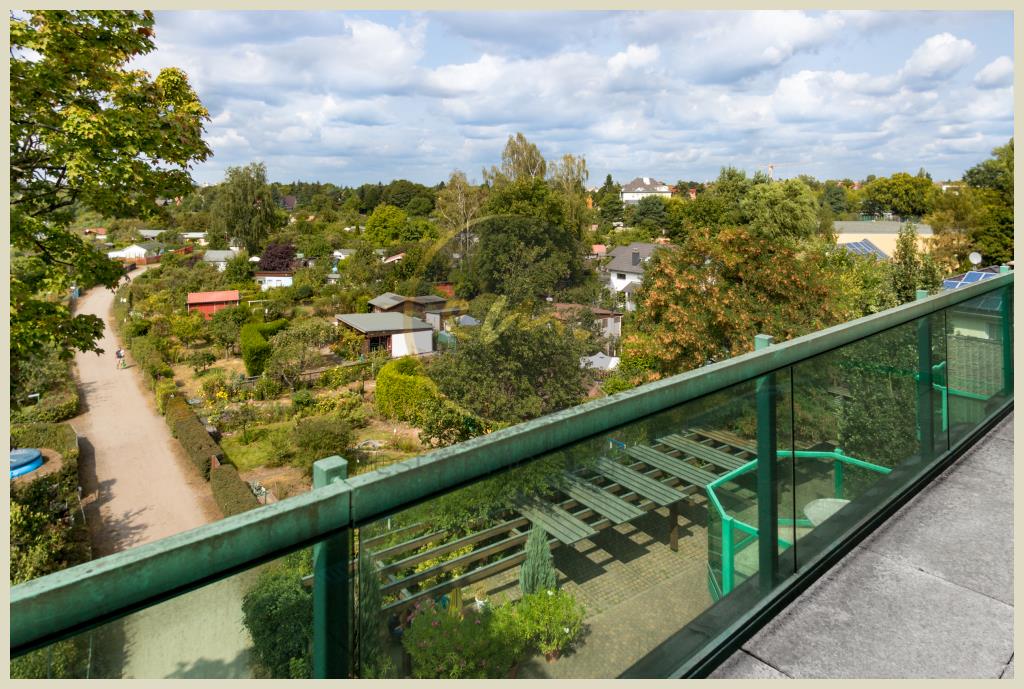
(974, 258)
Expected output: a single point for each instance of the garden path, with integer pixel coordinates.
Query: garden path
(137, 488)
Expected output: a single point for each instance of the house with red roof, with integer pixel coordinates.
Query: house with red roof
(209, 303)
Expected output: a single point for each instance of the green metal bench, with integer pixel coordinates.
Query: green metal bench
(556, 521)
(641, 484)
(726, 461)
(671, 465)
(604, 503)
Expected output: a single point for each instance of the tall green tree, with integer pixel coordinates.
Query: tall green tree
(244, 209)
(993, 178)
(912, 270)
(778, 210)
(520, 160)
(458, 205)
(386, 225)
(86, 132)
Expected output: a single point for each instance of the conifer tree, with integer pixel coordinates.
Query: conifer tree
(538, 571)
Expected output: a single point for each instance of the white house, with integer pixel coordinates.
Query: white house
(626, 268)
(219, 258)
(640, 187)
(610, 322)
(397, 333)
(268, 279)
(139, 250)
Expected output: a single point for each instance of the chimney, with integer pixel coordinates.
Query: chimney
(636, 257)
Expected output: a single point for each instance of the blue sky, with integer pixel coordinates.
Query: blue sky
(354, 97)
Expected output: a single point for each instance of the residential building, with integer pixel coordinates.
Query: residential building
(395, 259)
(209, 303)
(640, 187)
(333, 278)
(600, 362)
(626, 268)
(397, 333)
(150, 234)
(342, 254)
(268, 279)
(197, 237)
(882, 233)
(219, 258)
(609, 321)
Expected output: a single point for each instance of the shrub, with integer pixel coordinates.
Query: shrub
(404, 393)
(266, 388)
(483, 644)
(320, 436)
(232, 494)
(136, 327)
(146, 353)
(538, 571)
(47, 533)
(165, 389)
(190, 432)
(282, 447)
(53, 406)
(346, 405)
(254, 345)
(302, 401)
(278, 612)
(551, 619)
(200, 361)
(446, 423)
(343, 375)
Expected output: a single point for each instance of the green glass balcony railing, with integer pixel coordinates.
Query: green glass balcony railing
(646, 534)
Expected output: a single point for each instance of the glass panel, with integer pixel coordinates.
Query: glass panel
(979, 334)
(859, 413)
(616, 539)
(254, 624)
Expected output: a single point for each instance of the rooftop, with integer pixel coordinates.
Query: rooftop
(382, 322)
(929, 594)
(622, 257)
(211, 297)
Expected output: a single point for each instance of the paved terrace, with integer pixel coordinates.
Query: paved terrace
(930, 594)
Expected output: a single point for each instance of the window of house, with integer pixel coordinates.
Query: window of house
(620, 276)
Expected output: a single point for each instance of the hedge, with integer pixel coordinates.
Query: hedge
(55, 436)
(164, 390)
(343, 375)
(149, 359)
(404, 393)
(190, 432)
(254, 345)
(52, 407)
(231, 493)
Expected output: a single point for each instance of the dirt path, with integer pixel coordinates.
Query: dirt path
(138, 488)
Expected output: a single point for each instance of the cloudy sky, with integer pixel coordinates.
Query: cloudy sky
(354, 97)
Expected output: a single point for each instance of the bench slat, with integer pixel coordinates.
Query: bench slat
(672, 465)
(708, 454)
(602, 502)
(556, 521)
(641, 484)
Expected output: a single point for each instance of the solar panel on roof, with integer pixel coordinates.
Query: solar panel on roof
(950, 284)
(972, 276)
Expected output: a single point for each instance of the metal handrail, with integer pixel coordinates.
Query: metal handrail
(64, 603)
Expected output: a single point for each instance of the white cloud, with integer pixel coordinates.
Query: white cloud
(634, 57)
(939, 57)
(996, 74)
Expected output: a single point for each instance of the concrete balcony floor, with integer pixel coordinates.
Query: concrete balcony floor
(929, 594)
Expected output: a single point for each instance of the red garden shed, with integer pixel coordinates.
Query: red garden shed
(208, 303)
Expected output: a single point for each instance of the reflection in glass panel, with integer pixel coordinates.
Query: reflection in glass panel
(859, 415)
(575, 564)
(254, 624)
(979, 338)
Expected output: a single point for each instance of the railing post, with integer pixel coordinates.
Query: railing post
(767, 477)
(925, 412)
(837, 476)
(728, 556)
(1006, 313)
(330, 587)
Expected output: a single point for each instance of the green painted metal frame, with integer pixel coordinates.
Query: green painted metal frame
(730, 523)
(62, 604)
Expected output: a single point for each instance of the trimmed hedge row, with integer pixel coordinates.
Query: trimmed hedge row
(56, 436)
(254, 345)
(190, 432)
(404, 392)
(231, 493)
(149, 359)
(52, 407)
